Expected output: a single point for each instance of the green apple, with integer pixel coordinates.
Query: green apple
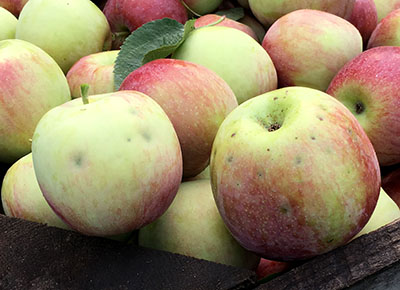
(22, 198)
(386, 211)
(234, 56)
(384, 7)
(293, 174)
(32, 83)
(203, 6)
(8, 24)
(192, 226)
(66, 29)
(108, 166)
(96, 70)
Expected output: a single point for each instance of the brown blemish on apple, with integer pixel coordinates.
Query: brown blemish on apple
(312, 137)
(320, 118)
(273, 127)
(230, 159)
(146, 136)
(233, 135)
(298, 160)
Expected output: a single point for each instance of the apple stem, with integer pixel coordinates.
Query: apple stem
(84, 93)
(190, 10)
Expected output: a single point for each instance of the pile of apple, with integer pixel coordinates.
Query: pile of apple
(261, 136)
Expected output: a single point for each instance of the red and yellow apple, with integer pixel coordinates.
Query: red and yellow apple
(386, 32)
(384, 7)
(14, 6)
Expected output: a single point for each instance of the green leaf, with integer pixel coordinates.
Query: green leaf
(153, 40)
(234, 13)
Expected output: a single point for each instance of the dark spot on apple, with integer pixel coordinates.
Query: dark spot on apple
(330, 240)
(275, 98)
(146, 136)
(233, 135)
(259, 174)
(230, 159)
(298, 160)
(320, 118)
(129, 139)
(273, 127)
(78, 160)
(359, 108)
(283, 209)
(267, 149)
(312, 137)
(295, 138)
(237, 184)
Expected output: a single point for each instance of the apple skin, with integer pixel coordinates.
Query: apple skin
(293, 174)
(323, 44)
(385, 212)
(14, 6)
(193, 227)
(123, 161)
(391, 184)
(22, 198)
(244, 3)
(195, 99)
(384, 7)
(386, 32)
(126, 16)
(268, 267)
(96, 70)
(365, 18)
(256, 26)
(203, 6)
(8, 24)
(66, 29)
(35, 84)
(207, 46)
(368, 87)
(267, 12)
(212, 18)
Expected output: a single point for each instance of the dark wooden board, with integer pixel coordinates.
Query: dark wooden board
(3, 169)
(364, 259)
(35, 256)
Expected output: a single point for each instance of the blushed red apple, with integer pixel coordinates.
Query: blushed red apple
(365, 18)
(386, 32)
(14, 6)
(195, 99)
(368, 87)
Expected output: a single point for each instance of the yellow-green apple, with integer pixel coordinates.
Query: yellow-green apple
(213, 18)
(8, 24)
(21, 195)
(267, 12)
(386, 32)
(386, 211)
(14, 6)
(244, 3)
(108, 165)
(96, 70)
(203, 6)
(269, 267)
(365, 18)
(384, 7)
(293, 174)
(195, 99)
(193, 227)
(126, 16)
(368, 87)
(248, 69)
(256, 26)
(323, 44)
(391, 184)
(66, 29)
(32, 83)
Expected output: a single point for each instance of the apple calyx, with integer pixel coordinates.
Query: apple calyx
(273, 127)
(359, 107)
(84, 93)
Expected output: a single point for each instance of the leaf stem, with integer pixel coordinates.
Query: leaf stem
(84, 93)
(190, 10)
(222, 18)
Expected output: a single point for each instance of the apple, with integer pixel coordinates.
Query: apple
(66, 29)
(193, 227)
(365, 18)
(386, 211)
(203, 6)
(126, 16)
(368, 87)
(267, 12)
(96, 70)
(212, 18)
(244, 3)
(8, 24)
(205, 174)
(32, 84)
(123, 160)
(384, 7)
(14, 6)
(293, 174)
(233, 55)
(385, 33)
(254, 25)
(324, 44)
(267, 268)
(195, 99)
(391, 184)
(22, 198)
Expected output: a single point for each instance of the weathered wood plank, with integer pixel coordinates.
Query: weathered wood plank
(346, 265)
(34, 256)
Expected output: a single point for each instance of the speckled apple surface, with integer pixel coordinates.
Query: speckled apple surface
(110, 166)
(293, 174)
